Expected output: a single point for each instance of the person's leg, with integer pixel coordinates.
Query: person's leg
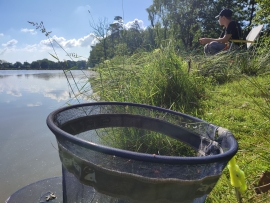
(213, 48)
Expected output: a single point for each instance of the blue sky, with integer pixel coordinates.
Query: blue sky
(67, 19)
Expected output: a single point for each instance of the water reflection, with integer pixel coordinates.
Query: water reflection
(52, 84)
(14, 92)
(4, 76)
(27, 147)
(36, 104)
(48, 76)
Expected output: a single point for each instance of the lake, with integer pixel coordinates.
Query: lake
(28, 149)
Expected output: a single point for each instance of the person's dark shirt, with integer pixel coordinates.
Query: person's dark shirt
(234, 29)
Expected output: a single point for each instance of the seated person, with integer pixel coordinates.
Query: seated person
(232, 30)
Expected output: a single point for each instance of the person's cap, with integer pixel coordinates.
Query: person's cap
(225, 12)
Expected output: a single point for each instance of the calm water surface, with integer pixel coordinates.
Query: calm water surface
(28, 149)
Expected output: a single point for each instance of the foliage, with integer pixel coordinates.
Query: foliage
(189, 20)
(263, 17)
(263, 13)
(120, 41)
(159, 78)
(228, 66)
(44, 64)
(183, 21)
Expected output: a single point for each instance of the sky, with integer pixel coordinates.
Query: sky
(69, 23)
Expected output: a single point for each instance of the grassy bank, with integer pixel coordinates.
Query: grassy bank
(240, 107)
(229, 90)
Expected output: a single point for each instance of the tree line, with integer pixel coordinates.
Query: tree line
(44, 64)
(180, 20)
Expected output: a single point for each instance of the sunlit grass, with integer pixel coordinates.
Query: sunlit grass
(160, 79)
(238, 106)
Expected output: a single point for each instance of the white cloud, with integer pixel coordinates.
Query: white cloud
(31, 31)
(130, 24)
(31, 48)
(1, 34)
(10, 89)
(10, 44)
(36, 104)
(12, 52)
(58, 96)
(14, 92)
(81, 9)
(45, 45)
(33, 88)
(85, 41)
(95, 41)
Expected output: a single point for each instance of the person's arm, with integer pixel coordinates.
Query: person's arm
(224, 39)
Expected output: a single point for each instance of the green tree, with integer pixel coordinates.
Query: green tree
(186, 21)
(177, 18)
(35, 65)
(5, 65)
(263, 14)
(81, 64)
(26, 65)
(116, 27)
(44, 64)
(96, 55)
(18, 65)
(149, 36)
(134, 37)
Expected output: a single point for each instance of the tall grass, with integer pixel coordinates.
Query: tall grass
(239, 101)
(159, 78)
(226, 67)
(145, 141)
